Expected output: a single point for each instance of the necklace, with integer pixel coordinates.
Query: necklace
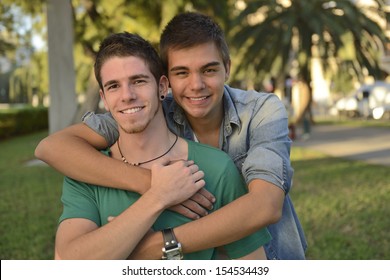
(143, 162)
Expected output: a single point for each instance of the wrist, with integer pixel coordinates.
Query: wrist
(171, 248)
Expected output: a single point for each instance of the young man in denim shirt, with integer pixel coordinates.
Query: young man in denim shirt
(251, 127)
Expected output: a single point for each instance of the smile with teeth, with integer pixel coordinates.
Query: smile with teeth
(131, 110)
(198, 98)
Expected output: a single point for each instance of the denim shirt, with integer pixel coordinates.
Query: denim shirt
(254, 132)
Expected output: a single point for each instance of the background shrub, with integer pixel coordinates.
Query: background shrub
(22, 120)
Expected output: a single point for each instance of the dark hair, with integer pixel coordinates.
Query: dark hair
(126, 44)
(192, 29)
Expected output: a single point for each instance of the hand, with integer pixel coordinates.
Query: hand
(196, 206)
(176, 182)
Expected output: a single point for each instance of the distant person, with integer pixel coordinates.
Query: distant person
(288, 85)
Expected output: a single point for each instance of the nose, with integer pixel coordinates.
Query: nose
(128, 93)
(196, 82)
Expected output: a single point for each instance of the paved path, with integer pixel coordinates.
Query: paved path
(358, 143)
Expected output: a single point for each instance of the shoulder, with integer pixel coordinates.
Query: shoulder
(240, 96)
(244, 102)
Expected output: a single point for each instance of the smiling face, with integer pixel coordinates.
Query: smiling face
(130, 93)
(197, 76)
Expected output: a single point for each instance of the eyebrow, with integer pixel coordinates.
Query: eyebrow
(132, 78)
(210, 64)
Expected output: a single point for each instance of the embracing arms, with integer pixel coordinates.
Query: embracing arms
(258, 208)
(72, 154)
(81, 238)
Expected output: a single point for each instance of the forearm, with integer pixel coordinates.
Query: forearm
(81, 239)
(240, 218)
(77, 158)
(232, 222)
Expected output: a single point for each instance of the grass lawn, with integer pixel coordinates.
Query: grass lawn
(29, 201)
(342, 204)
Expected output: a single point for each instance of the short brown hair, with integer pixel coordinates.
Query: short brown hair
(192, 29)
(127, 44)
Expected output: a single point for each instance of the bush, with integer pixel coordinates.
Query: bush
(22, 120)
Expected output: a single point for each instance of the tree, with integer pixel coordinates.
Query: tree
(273, 36)
(61, 65)
(18, 58)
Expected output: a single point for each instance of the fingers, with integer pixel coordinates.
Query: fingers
(184, 211)
(202, 201)
(207, 195)
(194, 207)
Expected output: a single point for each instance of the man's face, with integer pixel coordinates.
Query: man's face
(197, 76)
(130, 92)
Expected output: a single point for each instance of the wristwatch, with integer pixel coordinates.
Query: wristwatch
(172, 249)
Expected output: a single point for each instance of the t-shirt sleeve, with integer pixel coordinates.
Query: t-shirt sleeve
(103, 124)
(79, 201)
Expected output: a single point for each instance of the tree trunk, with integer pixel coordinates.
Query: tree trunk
(63, 102)
(91, 102)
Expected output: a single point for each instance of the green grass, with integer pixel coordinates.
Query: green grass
(29, 201)
(343, 205)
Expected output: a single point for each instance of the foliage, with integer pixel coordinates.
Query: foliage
(267, 37)
(282, 37)
(16, 121)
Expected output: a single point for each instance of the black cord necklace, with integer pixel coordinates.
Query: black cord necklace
(139, 163)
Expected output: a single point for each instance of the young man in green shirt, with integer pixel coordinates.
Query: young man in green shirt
(131, 81)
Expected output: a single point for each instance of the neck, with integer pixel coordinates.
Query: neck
(152, 142)
(137, 163)
(143, 150)
(207, 129)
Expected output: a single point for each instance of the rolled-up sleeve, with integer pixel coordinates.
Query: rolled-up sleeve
(268, 156)
(103, 124)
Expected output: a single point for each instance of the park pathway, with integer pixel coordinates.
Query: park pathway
(370, 144)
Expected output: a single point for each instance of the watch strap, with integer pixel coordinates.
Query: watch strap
(172, 248)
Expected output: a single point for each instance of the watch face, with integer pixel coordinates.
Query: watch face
(174, 255)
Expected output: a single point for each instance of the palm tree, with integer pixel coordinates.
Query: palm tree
(275, 36)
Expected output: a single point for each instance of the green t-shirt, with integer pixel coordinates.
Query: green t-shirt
(222, 178)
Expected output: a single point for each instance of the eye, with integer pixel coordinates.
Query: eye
(139, 81)
(112, 87)
(181, 73)
(210, 71)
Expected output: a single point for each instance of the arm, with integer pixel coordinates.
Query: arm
(80, 238)
(73, 152)
(263, 204)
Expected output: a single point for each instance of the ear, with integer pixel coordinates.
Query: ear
(227, 70)
(103, 98)
(163, 86)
